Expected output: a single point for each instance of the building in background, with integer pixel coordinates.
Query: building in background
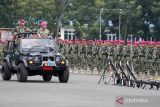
(110, 35)
(67, 33)
(6, 34)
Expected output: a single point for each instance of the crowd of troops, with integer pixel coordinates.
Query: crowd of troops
(90, 55)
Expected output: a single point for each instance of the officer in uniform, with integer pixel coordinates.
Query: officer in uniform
(21, 28)
(43, 31)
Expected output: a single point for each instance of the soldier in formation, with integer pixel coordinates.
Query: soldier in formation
(90, 54)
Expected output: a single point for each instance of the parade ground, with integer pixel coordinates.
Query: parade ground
(80, 91)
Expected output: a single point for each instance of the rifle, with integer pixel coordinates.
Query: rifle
(115, 75)
(140, 83)
(152, 84)
(134, 82)
(124, 77)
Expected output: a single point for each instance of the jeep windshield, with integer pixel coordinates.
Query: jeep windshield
(37, 45)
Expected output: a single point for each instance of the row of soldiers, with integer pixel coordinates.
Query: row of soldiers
(83, 54)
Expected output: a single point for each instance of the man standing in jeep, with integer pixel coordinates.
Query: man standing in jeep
(21, 28)
(43, 31)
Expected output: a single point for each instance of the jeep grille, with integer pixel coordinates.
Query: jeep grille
(46, 58)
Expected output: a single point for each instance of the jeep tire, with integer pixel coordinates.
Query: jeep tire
(6, 72)
(47, 77)
(22, 73)
(64, 75)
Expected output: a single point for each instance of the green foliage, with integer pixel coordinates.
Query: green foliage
(135, 17)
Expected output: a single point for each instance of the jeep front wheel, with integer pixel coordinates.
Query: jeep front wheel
(6, 72)
(47, 77)
(22, 73)
(64, 75)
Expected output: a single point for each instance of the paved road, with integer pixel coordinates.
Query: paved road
(81, 91)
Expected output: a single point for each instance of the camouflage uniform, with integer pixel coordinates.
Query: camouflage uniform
(90, 57)
(78, 60)
(43, 32)
(99, 58)
(74, 55)
(20, 29)
(158, 61)
(83, 56)
(144, 59)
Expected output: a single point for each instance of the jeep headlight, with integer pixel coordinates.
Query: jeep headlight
(30, 60)
(62, 62)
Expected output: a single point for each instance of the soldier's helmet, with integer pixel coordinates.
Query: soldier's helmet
(44, 24)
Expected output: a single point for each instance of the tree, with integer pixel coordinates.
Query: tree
(136, 15)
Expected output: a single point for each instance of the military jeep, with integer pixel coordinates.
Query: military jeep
(33, 56)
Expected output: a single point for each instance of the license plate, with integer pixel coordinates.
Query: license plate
(48, 63)
(51, 63)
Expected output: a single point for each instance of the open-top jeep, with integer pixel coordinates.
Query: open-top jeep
(33, 56)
